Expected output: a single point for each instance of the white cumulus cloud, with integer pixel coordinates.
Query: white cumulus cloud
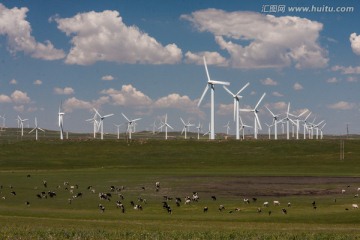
(298, 87)
(255, 40)
(347, 70)
(37, 82)
(128, 96)
(355, 43)
(269, 82)
(64, 91)
(17, 29)
(20, 97)
(103, 36)
(342, 105)
(107, 78)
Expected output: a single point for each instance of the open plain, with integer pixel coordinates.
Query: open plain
(317, 192)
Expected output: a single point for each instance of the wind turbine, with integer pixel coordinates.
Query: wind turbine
(269, 129)
(242, 127)
(166, 125)
(130, 124)
(287, 119)
(236, 107)
(275, 122)
(305, 124)
(316, 126)
(297, 123)
(118, 130)
(101, 123)
(255, 110)
(61, 122)
(36, 128)
(198, 130)
(186, 126)
(321, 132)
(95, 123)
(212, 84)
(227, 128)
(208, 132)
(21, 124)
(3, 123)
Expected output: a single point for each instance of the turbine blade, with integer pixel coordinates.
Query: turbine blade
(260, 101)
(258, 120)
(206, 70)
(218, 82)
(109, 115)
(97, 113)
(303, 113)
(270, 111)
(183, 121)
(203, 95)
(242, 89)
(125, 117)
(235, 109)
(226, 89)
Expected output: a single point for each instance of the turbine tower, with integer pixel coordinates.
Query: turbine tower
(101, 123)
(236, 107)
(166, 125)
(212, 84)
(130, 124)
(61, 122)
(36, 128)
(21, 124)
(255, 110)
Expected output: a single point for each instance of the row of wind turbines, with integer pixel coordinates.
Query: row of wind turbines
(98, 119)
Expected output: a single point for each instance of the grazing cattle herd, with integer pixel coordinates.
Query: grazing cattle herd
(116, 196)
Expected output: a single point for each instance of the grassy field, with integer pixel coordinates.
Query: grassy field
(296, 172)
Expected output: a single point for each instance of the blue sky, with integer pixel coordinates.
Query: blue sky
(144, 58)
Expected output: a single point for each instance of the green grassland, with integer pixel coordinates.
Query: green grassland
(298, 172)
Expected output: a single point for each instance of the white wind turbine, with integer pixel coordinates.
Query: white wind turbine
(101, 123)
(227, 128)
(198, 130)
(36, 128)
(305, 124)
(186, 126)
(3, 123)
(321, 132)
(316, 126)
(269, 129)
(236, 107)
(166, 125)
(275, 122)
(242, 127)
(255, 110)
(287, 119)
(95, 124)
(21, 124)
(212, 84)
(61, 122)
(208, 132)
(118, 129)
(130, 124)
(297, 123)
